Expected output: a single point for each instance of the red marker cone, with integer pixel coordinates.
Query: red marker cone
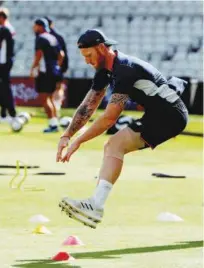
(63, 256)
(73, 241)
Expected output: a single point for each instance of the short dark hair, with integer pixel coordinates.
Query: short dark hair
(44, 23)
(4, 12)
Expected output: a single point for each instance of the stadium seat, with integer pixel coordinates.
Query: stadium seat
(143, 28)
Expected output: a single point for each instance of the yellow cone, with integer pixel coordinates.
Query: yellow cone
(41, 230)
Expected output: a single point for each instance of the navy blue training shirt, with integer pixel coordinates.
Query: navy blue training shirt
(50, 48)
(60, 39)
(7, 33)
(138, 79)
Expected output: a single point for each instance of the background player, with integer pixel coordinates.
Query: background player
(48, 71)
(7, 42)
(59, 93)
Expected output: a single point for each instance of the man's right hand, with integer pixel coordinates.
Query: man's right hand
(63, 143)
(32, 73)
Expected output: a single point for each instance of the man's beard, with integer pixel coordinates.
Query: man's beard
(100, 66)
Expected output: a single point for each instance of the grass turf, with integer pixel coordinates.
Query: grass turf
(130, 235)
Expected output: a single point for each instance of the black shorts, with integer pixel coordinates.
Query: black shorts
(46, 83)
(157, 127)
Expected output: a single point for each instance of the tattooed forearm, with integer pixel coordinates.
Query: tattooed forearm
(80, 118)
(120, 99)
(84, 111)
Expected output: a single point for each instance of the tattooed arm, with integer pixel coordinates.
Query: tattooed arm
(84, 111)
(107, 119)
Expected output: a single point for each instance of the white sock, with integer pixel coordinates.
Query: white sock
(53, 122)
(101, 193)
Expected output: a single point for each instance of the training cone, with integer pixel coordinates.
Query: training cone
(63, 256)
(39, 219)
(168, 217)
(41, 230)
(73, 241)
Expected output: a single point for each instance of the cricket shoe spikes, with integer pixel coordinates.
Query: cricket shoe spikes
(84, 211)
(78, 217)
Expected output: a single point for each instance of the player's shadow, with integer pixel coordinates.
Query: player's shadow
(107, 254)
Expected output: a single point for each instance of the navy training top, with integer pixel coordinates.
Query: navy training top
(142, 82)
(7, 33)
(50, 48)
(60, 39)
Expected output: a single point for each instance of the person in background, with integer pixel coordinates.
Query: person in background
(46, 68)
(59, 93)
(7, 42)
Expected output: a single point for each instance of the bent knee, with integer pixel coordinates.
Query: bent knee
(124, 141)
(114, 148)
(114, 144)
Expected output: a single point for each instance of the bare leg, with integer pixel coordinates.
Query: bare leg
(52, 107)
(59, 95)
(111, 169)
(123, 142)
(48, 105)
(90, 211)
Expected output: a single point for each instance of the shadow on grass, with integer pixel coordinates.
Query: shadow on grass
(107, 254)
(110, 253)
(46, 263)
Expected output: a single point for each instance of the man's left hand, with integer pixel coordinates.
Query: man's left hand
(73, 148)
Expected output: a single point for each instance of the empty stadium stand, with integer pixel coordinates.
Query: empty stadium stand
(166, 33)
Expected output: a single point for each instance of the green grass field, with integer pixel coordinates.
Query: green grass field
(130, 235)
